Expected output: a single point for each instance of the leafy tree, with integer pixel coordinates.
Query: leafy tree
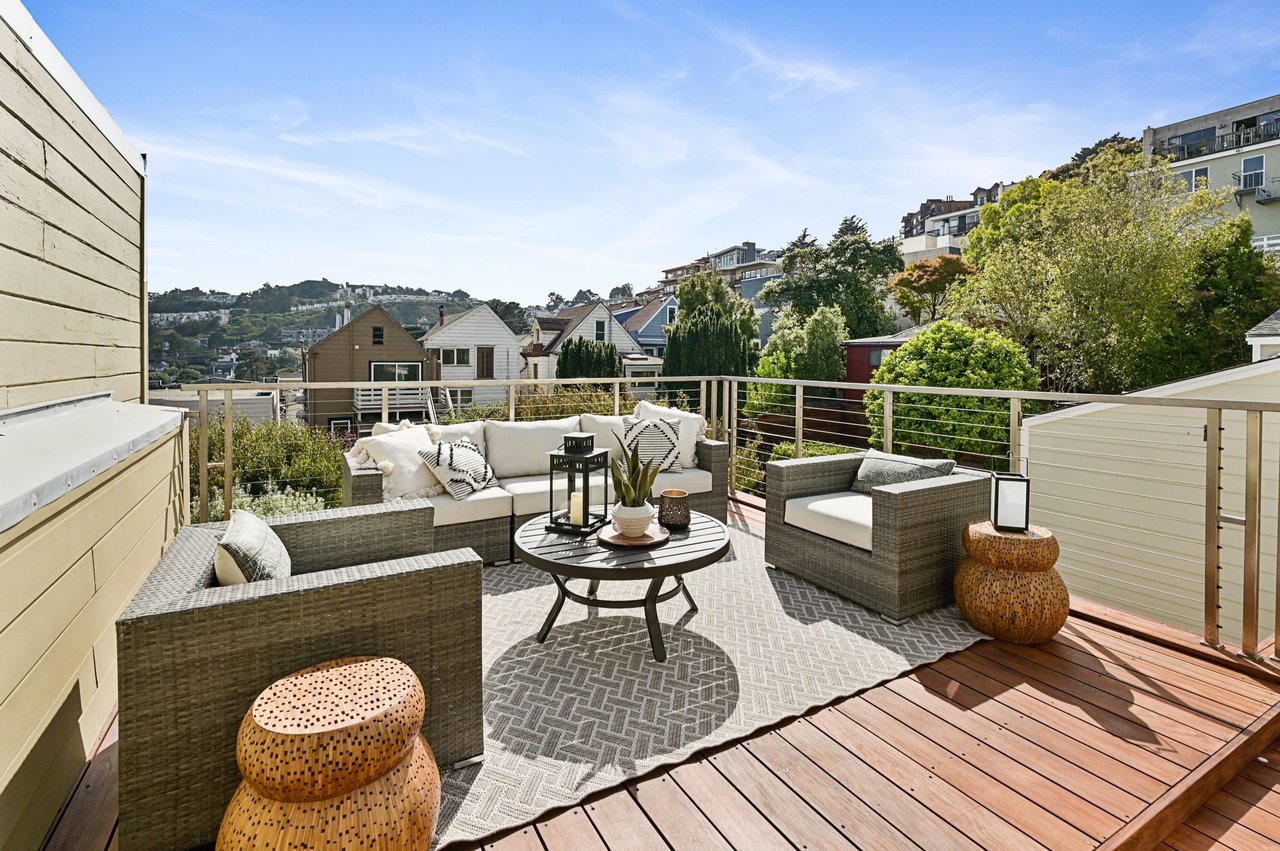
(804, 349)
(511, 314)
(708, 292)
(584, 296)
(555, 301)
(459, 295)
(804, 240)
(849, 274)
(951, 355)
(850, 226)
(1116, 142)
(582, 358)
(707, 342)
(250, 366)
(1088, 273)
(188, 374)
(621, 291)
(921, 288)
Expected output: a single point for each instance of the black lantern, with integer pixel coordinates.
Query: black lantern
(577, 463)
(1010, 502)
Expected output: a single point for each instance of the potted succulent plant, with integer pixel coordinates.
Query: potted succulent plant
(632, 483)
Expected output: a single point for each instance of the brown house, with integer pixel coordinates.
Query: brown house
(371, 347)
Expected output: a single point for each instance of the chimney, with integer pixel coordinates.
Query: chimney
(442, 316)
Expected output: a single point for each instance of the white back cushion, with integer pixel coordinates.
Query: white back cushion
(608, 432)
(472, 431)
(520, 449)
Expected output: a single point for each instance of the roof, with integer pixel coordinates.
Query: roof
(644, 315)
(896, 337)
(391, 320)
(1269, 327)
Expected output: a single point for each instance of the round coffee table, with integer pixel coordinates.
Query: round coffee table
(566, 557)
(1007, 586)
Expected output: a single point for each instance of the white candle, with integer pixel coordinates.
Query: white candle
(575, 509)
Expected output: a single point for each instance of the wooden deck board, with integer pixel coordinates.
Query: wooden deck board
(997, 746)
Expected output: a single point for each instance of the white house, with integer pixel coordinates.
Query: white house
(1123, 488)
(475, 344)
(1264, 338)
(591, 321)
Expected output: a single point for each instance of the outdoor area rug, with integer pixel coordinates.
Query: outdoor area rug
(591, 708)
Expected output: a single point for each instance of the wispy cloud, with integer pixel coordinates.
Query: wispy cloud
(790, 73)
(429, 141)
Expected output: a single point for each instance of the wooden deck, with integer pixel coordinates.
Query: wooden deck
(1098, 738)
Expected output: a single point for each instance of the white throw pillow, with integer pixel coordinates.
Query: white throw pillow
(692, 427)
(384, 428)
(460, 466)
(396, 455)
(472, 431)
(608, 432)
(654, 440)
(520, 449)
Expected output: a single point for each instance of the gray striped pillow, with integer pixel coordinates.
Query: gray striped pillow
(654, 440)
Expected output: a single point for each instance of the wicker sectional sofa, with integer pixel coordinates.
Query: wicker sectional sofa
(486, 520)
(894, 551)
(193, 655)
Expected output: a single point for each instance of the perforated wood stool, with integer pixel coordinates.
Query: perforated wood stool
(333, 758)
(1007, 586)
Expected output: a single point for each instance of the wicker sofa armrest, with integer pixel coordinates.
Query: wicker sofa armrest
(713, 456)
(360, 485)
(943, 504)
(338, 537)
(797, 477)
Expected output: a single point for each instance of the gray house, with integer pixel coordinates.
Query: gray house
(645, 325)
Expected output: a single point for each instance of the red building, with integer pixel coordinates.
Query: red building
(862, 357)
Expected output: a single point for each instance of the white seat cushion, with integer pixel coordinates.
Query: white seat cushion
(481, 505)
(520, 449)
(844, 517)
(689, 481)
(529, 493)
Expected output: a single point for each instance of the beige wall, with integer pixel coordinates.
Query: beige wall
(67, 571)
(1123, 487)
(72, 298)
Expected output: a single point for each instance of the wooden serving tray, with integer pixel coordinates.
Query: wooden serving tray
(654, 536)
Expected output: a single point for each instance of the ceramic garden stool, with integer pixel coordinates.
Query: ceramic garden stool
(333, 758)
(1007, 586)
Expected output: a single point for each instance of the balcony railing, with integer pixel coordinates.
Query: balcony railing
(395, 398)
(1157, 500)
(1224, 142)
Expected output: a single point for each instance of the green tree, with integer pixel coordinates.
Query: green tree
(1116, 142)
(715, 332)
(621, 291)
(511, 314)
(188, 374)
(582, 358)
(804, 240)
(1089, 273)
(799, 349)
(951, 355)
(851, 226)
(709, 292)
(251, 366)
(849, 274)
(555, 301)
(921, 288)
(584, 296)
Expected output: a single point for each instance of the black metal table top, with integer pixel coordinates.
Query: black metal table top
(705, 542)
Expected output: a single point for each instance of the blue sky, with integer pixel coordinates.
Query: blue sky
(513, 149)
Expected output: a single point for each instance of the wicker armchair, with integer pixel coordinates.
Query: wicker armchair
(915, 539)
(192, 656)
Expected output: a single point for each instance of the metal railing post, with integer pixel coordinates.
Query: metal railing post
(202, 456)
(386, 404)
(799, 421)
(1252, 529)
(724, 408)
(733, 436)
(702, 398)
(887, 441)
(511, 403)
(228, 477)
(712, 422)
(1212, 529)
(1015, 435)
(617, 397)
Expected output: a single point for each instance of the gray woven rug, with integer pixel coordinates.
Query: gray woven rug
(590, 708)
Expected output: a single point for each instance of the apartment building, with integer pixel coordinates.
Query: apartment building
(1237, 148)
(942, 226)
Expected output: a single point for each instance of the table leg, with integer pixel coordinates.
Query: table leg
(555, 610)
(593, 587)
(651, 617)
(693, 607)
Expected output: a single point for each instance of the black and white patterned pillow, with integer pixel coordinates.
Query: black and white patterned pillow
(654, 440)
(881, 468)
(460, 467)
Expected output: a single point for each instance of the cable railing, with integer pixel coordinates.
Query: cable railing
(1158, 502)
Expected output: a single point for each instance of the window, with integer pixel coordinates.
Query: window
(671, 315)
(454, 357)
(876, 357)
(1195, 178)
(391, 371)
(484, 361)
(1251, 173)
(378, 335)
(460, 397)
(535, 370)
(599, 330)
(339, 426)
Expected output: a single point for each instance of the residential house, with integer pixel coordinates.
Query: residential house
(591, 321)
(1264, 338)
(371, 347)
(92, 479)
(474, 344)
(942, 226)
(863, 356)
(645, 324)
(672, 277)
(747, 268)
(766, 317)
(1238, 148)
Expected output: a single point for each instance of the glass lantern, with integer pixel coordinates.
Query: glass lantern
(577, 463)
(1010, 502)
